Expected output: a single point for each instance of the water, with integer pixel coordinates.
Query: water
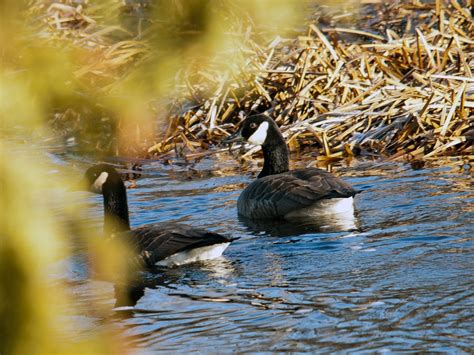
(403, 282)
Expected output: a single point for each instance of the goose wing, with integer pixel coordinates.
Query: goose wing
(156, 242)
(280, 194)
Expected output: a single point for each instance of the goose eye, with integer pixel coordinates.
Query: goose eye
(253, 125)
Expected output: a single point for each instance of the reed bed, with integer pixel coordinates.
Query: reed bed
(395, 81)
(406, 92)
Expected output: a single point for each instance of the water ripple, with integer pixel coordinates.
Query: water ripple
(403, 282)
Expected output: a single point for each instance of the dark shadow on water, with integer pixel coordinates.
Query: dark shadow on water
(128, 294)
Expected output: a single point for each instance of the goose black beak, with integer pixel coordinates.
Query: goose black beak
(236, 137)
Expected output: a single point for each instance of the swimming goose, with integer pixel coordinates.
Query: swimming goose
(157, 244)
(281, 193)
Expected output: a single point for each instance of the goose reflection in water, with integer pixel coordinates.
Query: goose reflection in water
(325, 223)
(128, 294)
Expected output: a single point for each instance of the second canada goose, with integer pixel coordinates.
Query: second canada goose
(156, 244)
(281, 193)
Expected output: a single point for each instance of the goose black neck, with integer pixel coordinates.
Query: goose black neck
(275, 157)
(115, 208)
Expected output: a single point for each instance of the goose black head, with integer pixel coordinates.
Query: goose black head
(257, 130)
(99, 175)
(262, 130)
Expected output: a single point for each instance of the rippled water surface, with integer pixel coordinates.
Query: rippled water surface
(403, 282)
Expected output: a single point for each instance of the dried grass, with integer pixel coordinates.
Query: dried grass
(105, 52)
(407, 93)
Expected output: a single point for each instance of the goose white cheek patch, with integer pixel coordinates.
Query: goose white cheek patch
(259, 136)
(101, 179)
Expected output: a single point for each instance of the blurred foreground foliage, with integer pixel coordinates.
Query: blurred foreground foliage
(40, 224)
(98, 72)
(103, 72)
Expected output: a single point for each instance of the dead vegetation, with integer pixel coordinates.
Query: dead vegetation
(407, 95)
(105, 50)
(397, 81)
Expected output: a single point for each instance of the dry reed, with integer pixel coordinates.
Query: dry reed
(405, 93)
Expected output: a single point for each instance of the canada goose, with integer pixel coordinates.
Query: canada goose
(157, 244)
(280, 193)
